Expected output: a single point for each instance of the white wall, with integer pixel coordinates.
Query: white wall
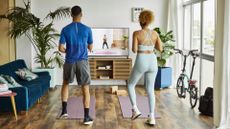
(101, 13)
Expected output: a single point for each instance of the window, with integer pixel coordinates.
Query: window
(209, 27)
(199, 33)
(196, 20)
(187, 27)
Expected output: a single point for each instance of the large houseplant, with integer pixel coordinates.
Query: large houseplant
(167, 45)
(164, 75)
(41, 34)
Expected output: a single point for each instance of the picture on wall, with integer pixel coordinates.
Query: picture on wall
(110, 42)
(135, 13)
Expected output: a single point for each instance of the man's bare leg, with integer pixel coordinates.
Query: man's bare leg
(86, 96)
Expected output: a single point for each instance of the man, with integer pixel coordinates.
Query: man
(74, 40)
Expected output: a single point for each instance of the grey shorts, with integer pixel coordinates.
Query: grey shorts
(80, 69)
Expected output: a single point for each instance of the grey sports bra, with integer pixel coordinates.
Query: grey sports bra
(147, 45)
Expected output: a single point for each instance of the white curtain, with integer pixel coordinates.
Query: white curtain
(175, 22)
(222, 66)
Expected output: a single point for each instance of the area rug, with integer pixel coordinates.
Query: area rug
(142, 103)
(75, 108)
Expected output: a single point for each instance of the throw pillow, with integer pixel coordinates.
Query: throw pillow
(10, 80)
(2, 80)
(26, 74)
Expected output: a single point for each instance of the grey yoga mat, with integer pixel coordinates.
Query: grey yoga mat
(75, 109)
(143, 106)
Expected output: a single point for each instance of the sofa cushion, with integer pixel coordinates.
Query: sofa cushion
(14, 66)
(10, 81)
(39, 80)
(3, 80)
(26, 74)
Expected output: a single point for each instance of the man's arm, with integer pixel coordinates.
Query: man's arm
(90, 40)
(90, 47)
(61, 48)
(62, 41)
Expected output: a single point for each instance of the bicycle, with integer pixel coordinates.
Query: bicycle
(185, 83)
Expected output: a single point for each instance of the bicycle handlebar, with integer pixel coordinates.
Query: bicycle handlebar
(193, 52)
(178, 51)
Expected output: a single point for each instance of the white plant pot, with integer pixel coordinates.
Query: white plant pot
(52, 72)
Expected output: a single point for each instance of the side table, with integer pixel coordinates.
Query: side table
(11, 95)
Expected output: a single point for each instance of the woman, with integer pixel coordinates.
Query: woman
(105, 42)
(144, 42)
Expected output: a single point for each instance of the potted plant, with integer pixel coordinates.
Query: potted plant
(164, 75)
(42, 36)
(125, 39)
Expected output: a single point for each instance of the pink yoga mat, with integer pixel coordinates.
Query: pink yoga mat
(142, 103)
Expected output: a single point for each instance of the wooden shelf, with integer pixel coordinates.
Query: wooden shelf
(103, 79)
(120, 68)
(104, 69)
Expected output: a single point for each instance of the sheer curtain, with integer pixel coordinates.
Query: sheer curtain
(222, 66)
(175, 22)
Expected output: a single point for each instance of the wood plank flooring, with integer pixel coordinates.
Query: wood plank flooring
(175, 113)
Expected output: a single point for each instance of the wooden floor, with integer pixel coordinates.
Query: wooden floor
(175, 113)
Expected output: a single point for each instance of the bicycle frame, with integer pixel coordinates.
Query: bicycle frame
(186, 80)
(184, 65)
(183, 74)
(193, 65)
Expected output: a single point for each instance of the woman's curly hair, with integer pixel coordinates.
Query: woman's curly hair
(146, 17)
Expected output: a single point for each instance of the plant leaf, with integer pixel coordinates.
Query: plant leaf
(41, 35)
(167, 45)
(59, 13)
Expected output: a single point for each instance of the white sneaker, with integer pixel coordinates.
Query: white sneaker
(88, 121)
(64, 116)
(151, 121)
(135, 114)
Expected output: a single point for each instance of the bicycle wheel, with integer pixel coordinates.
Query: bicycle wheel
(180, 87)
(193, 95)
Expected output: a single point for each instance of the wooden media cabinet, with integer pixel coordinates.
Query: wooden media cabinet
(110, 68)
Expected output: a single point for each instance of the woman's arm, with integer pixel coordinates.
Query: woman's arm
(135, 42)
(158, 45)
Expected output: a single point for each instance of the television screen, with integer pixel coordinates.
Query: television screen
(110, 42)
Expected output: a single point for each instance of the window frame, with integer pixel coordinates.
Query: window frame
(190, 3)
(203, 56)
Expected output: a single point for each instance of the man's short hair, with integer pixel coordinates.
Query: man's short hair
(76, 11)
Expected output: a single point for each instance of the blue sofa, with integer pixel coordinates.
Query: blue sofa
(29, 93)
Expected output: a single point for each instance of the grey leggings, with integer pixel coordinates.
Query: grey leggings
(145, 64)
